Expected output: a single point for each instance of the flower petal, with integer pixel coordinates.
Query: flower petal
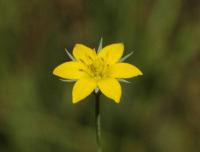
(112, 53)
(84, 53)
(124, 70)
(83, 88)
(70, 70)
(110, 88)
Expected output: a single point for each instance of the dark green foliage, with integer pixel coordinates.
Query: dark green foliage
(159, 111)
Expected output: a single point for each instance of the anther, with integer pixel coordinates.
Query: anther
(82, 61)
(102, 59)
(90, 57)
(81, 70)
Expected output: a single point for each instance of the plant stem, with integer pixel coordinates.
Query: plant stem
(98, 122)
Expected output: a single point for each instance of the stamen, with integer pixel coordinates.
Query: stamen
(81, 70)
(90, 57)
(97, 68)
(81, 60)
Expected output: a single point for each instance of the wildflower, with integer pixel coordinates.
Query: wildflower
(96, 70)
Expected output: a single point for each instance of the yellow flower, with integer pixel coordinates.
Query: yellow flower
(100, 70)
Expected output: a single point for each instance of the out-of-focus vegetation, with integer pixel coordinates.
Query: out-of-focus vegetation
(159, 112)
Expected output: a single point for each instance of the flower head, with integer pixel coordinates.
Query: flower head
(93, 70)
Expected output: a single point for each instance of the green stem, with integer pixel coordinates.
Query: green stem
(98, 122)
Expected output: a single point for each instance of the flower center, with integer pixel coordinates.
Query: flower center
(97, 68)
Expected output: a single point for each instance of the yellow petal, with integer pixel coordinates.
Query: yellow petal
(70, 70)
(110, 88)
(83, 88)
(124, 70)
(84, 53)
(112, 53)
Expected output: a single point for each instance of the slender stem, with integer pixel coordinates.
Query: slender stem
(98, 122)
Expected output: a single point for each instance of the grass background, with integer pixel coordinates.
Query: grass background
(159, 112)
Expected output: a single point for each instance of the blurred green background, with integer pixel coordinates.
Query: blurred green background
(159, 111)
